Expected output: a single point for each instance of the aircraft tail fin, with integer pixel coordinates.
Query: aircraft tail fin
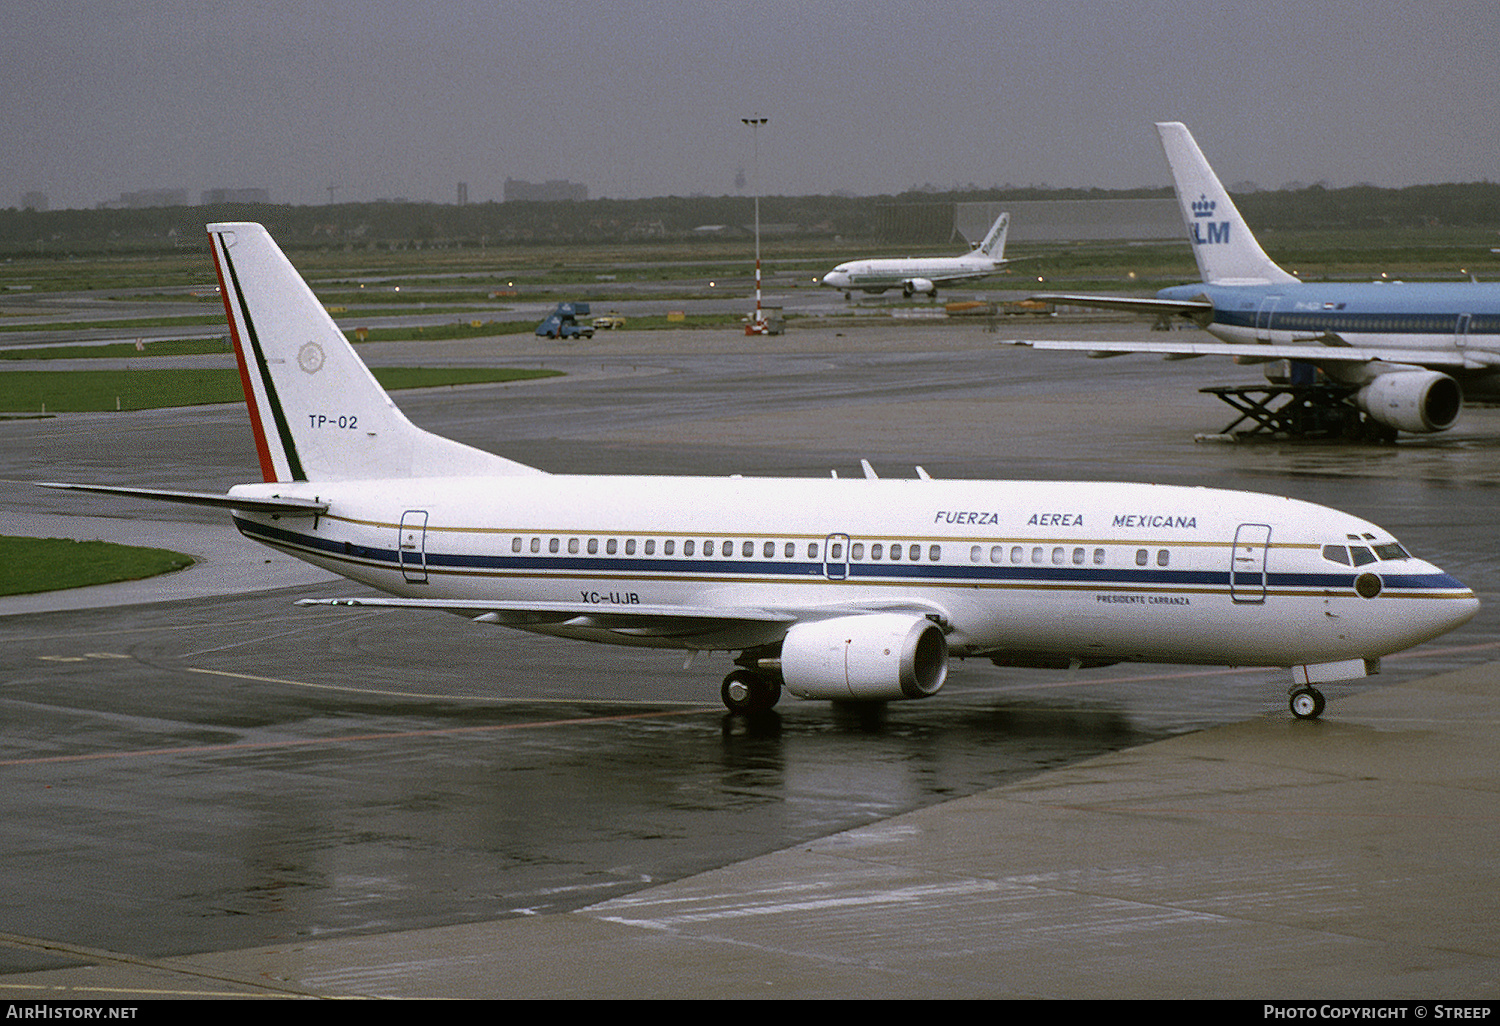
(993, 245)
(316, 411)
(1226, 251)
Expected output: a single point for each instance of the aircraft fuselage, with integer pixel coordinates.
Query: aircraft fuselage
(1451, 318)
(1037, 572)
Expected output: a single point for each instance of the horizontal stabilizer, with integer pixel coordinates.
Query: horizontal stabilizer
(270, 504)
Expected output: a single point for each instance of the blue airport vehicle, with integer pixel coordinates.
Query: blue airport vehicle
(563, 322)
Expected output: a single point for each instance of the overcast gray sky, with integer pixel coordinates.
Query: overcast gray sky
(406, 99)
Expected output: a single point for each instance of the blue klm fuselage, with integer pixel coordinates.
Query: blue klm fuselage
(1446, 318)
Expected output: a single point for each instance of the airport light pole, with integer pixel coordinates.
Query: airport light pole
(758, 327)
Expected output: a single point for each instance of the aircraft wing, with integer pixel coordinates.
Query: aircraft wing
(270, 504)
(1185, 307)
(1315, 354)
(636, 619)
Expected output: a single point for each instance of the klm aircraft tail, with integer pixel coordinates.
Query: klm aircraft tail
(316, 411)
(993, 245)
(1226, 251)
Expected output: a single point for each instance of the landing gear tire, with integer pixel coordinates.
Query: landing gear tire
(746, 693)
(1307, 703)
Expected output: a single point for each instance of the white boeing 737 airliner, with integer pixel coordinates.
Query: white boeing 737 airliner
(841, 589)
(923, 274)
(1406, 353)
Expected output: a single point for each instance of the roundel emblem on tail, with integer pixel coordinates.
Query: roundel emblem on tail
(310, 358)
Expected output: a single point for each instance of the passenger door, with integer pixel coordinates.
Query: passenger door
(412, 546)
(1247, 571)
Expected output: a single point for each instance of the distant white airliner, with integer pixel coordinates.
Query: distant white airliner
(923, 274)
(1408, 353)
(844, 589)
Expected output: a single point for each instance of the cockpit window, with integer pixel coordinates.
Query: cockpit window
(1362, 554)
(1336, 554)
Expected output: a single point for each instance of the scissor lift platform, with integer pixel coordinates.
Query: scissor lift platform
(1320, 411)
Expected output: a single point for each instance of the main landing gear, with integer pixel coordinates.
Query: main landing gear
(1307, 703)
(746, 692)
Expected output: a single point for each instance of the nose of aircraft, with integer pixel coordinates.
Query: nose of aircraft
(1446, 604)
(834, 279)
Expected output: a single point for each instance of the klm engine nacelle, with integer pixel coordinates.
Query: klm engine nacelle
(1420, 402)
(871, 657)
(916, 285)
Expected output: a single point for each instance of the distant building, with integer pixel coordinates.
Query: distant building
(154, 198)
(516, 189)
(463, 194)
(1105, 220)
(211, 196)
(34, 201)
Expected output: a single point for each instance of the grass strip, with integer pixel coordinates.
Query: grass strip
(93, 391)
(30, 565)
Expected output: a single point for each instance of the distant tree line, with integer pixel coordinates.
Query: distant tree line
(676, 218)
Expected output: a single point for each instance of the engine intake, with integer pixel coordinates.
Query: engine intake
(1419, 402)
(870, 657)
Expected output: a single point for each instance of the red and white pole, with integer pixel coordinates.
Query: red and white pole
(758, 326)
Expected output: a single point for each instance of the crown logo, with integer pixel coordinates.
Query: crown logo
(1203, 207)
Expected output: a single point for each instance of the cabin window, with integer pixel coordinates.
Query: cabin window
(553, 546)
(1038, 555)
(1059, 556)
(650, 546)
(812, 550)
(1079, 556)
(687, 547)
(536, 545)
(573, 546)
(791, 550)
(593, 546)
(515, 545)
(976, 553)
(836, 551)
(895, 550)
(856, 551)
(629, 546)
(1017, 554)
(669, 546)
(1336, 554)
(611, 546)
(935, 552)
(1098, 557)
(876, 550)
(1163, 557)
(997, 553)
(1142, 557)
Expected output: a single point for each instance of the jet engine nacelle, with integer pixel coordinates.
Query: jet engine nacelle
(1416, 401)
(869, 657)
(916, 285)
